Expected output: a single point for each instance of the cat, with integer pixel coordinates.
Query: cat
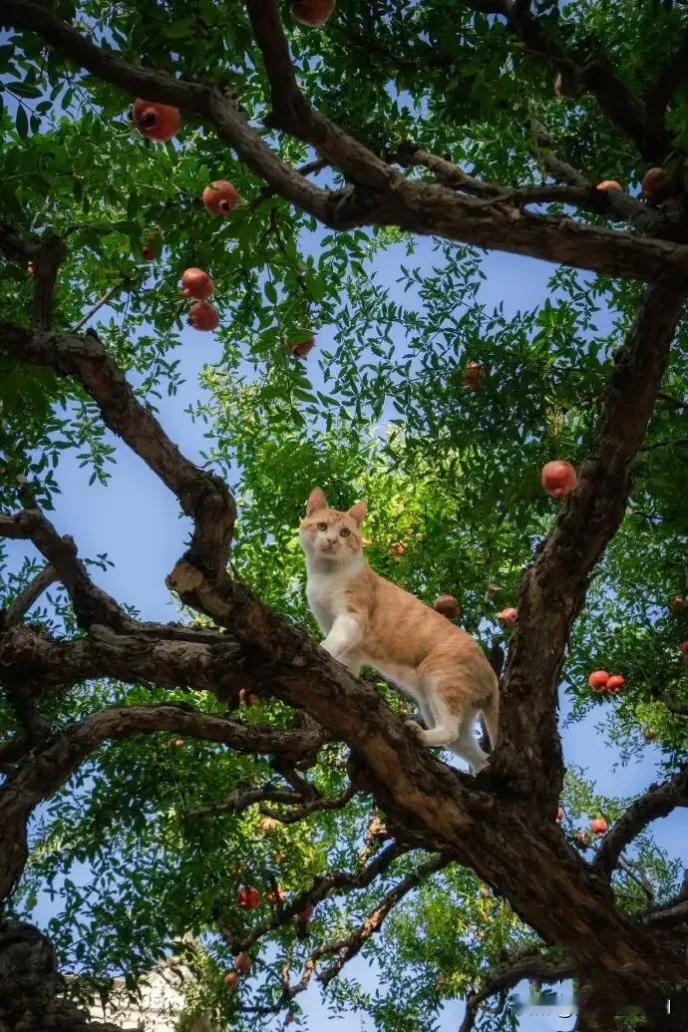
(369, 621)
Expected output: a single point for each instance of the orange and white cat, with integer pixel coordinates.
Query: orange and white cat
(369, 621)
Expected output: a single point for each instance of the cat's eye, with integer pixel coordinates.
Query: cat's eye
(344, 532)
(322, 526)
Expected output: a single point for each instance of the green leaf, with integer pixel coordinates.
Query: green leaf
(21, 122)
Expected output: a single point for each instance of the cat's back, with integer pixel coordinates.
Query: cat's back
(406, 627)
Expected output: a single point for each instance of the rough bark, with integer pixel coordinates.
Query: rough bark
(30, 986)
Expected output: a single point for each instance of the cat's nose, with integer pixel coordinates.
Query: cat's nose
(332, 541)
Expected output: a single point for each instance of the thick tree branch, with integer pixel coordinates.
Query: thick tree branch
(553, 590)
(670, 916)
(143, 656)
(577, 191)
(91, 604)
(50, 767)
(658, 802)
(381, 196)
(202, 495)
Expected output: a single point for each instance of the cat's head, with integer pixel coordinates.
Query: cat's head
(330, 535)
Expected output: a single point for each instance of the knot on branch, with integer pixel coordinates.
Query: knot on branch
(185, 578)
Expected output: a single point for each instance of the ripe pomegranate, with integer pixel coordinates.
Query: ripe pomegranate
(243, 963)
(156, 121)
(249, 898)
(473, 376)
(447, 606)
(232, 981)
(203, 316)
(306, 914)
(221, 197)
(609, 184)
(598, 680)
(313, 12)
(599, 826)
(558, 478)
(397, 550)
(508, 616)
(684, 647)
(616, 684)
(655, 185)
(196, 283)
(299, 349)
(149, 252)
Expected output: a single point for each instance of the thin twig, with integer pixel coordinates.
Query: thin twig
(110, 292)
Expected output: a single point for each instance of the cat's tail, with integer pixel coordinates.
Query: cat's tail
(490, 712)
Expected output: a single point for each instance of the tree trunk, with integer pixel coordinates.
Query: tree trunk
(603, 1011)
(29, 984)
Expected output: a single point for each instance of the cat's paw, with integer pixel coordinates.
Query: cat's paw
(333, 650)
(414, 727)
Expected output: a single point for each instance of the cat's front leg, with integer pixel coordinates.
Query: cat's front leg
(344, 635)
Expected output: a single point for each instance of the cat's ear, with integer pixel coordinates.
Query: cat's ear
(358, 512)
(316, 501)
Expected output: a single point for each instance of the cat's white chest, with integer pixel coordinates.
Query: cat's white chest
(326, 593)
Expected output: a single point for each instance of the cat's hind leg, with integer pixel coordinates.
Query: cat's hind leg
(451, 724)
(467, 747)
(443, 721)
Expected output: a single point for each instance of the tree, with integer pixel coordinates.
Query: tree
(458, 136)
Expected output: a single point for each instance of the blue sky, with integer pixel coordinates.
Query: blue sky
(136, 521)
